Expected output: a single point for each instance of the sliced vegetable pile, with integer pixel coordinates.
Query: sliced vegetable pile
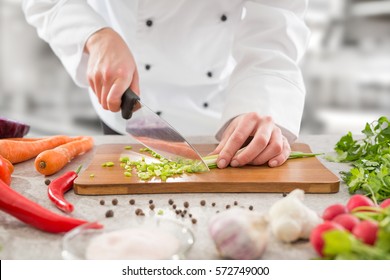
(162, 169)
(358, 230)
(370, 157)
(166, 168)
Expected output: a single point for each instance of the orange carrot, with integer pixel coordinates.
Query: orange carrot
(23, 139)
(52, 161)
(17, 151)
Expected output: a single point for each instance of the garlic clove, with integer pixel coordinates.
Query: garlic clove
(290, 219)
(239, 234)
(286, 230)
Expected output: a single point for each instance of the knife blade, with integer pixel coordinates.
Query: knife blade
(155, 133)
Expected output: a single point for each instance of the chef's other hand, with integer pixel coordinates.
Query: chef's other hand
(111, 68)
(268, 145)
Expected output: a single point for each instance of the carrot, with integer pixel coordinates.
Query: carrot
(17, 151)
(24, 139)
(52, 161)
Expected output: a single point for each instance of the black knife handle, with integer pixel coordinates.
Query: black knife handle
(129, 99)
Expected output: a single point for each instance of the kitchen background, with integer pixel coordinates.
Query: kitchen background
(346, 70)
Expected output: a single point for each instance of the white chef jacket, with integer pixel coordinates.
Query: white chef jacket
(201, 63)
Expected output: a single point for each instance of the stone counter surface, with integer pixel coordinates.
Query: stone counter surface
(20, 241)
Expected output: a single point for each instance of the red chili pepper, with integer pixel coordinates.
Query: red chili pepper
(34, 214)
(6, 169)
(58, 187)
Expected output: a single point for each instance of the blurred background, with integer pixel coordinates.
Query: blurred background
(346, 70)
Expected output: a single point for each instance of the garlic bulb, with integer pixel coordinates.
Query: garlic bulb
(239, 234)
(290, 219)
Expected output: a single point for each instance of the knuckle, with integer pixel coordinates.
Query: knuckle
(268, 119)
(120, 73)
(107, 74)
(238, 137)
(244, 158)
(276, 148)
(259, 161)
(226, 154)
(262, 141)
(254, 116)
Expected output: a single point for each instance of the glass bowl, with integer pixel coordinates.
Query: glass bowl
(137, 239)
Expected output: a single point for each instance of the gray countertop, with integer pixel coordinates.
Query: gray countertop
(20, 241)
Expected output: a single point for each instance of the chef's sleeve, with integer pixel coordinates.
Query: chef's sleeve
(65, 25)
(268, 46)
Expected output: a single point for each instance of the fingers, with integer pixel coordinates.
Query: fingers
(282, 157)
(268, 143)
(276, 153)
(111, 68)
(263, 139)
(243, 128)
(109, 87)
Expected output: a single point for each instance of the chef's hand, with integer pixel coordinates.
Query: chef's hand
(268, 145)
(111, 68)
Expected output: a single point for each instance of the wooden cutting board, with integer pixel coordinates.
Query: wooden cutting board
(308, 174)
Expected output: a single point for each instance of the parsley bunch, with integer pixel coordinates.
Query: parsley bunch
(370, 158)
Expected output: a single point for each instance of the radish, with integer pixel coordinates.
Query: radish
(347, 221)
(333, 210)
(366, 231)
(358, 200)
(316, 236)
(385, 203)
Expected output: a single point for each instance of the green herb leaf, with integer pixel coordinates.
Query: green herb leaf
(337, 242)
(370, 159)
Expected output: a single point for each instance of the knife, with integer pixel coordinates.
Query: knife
(155, 133)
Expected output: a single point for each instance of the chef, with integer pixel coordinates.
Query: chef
(208, 67)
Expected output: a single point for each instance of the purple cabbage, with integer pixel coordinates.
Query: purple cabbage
(11, 129)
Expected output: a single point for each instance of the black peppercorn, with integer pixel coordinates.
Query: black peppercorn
(203, 202)
(102, 202)
(109, 214)
(149, 23)
(186, 204)
(132, 201)
(114, 201)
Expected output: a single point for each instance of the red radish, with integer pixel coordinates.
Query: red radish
(333, 210)
(358, 200)
(316, 236)
(366, 231)
(347, 221)
(385, 203)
